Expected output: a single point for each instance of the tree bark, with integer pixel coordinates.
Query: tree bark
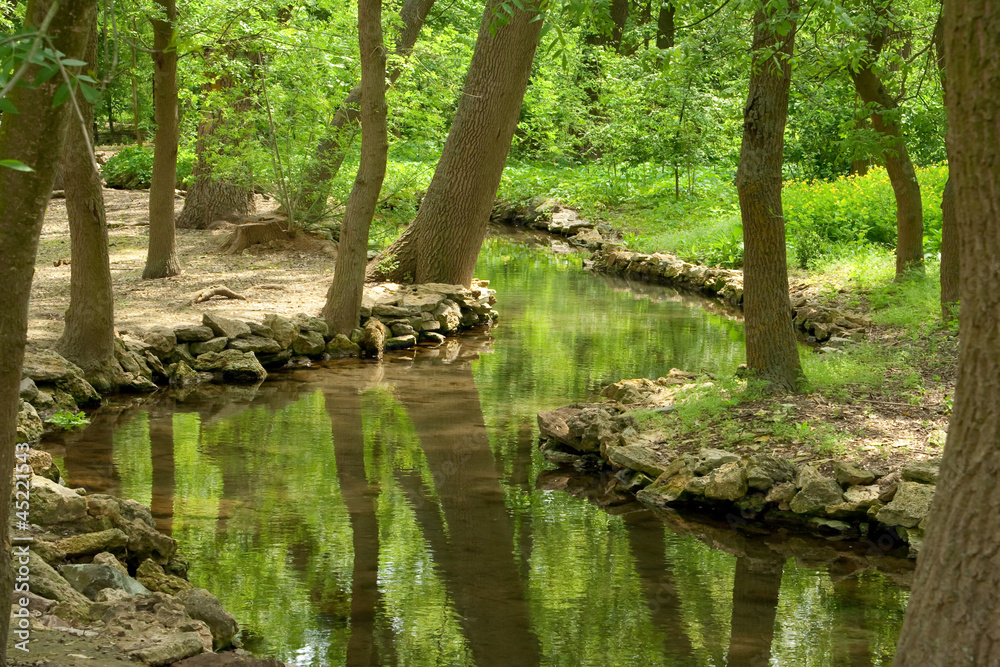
(343, 301)
(772, 352)
(35, 137)
(89, 333)
(443, 241)
(331, 150)
(665, 25)
(950, 290)
(909, 209)
(162, 262)
(951, 615)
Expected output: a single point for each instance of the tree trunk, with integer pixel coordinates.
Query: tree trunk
(161, 262)
(331, 150)
(909, 209)
(35, 137)
(443, 241)
(951, 616)
(665, 25)
(772, 352)
(88, 337)
(619, 16)
(343, 300)
(949, 254)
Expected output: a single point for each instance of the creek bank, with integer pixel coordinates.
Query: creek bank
(98, 569)
(234, 351)
(831, 497)
(818, 323)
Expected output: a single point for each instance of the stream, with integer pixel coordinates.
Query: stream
(401, 514)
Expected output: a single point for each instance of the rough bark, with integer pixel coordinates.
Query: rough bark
(162, 262)
(909, 209)
(772, 352)
(951, 616)
(755, 604)
(619, 17)
(665, 25)
(343, 300)
(254, 233)
(89, 333)
(35, 137)
(332, 149)
(950, 290)
(443, 241)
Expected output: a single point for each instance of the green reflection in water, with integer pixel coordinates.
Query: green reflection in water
(133, 459)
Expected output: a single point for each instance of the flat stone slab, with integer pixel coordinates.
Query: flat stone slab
(637, 457)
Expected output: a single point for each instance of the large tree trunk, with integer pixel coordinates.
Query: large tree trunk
(331, 150)
(33, 136)
(343, 301)
(443, 241)
(161, 261)
(951, 616)
(772, 352)
(909, 209)
(89, 335)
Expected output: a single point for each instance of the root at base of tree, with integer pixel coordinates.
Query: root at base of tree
(213, 291)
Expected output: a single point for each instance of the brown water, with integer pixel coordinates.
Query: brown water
(400, 514)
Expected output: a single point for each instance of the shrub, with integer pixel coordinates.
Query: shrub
(131, 168)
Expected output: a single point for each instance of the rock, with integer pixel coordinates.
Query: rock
(234, 366)
(28, 390)
(727, 482)
(849, 474)
(48, 552)
(152, 576)
(29, 425)
(431, 337)
(203, 606)
(400, 342)
(914, 538)
(48, 366)
(848, 510)
(402, 329)
(449, 315)
(552, 425)
(228, 659)
(52, 504)
(925, 472)
(310, 323)
(147, 622)
(211, 345)
(182, 376)
(42, 464)
(309, 343)
(136, 521)
(710, 459)
(109, 559)
(169, 650)
(763, 471)
(831, 524)
(909, 506)
(862, 494)
(81, 393)
(592, 429)
(223, 326)
(93, 577)
(254, 343)
(631, 392)
(341, 346)
(637, 457)
(817, 493)
(666, 490)
(182, 353)
(193, 333)
(86, 544)
(45, 581)
(161, 340)
(284, 329)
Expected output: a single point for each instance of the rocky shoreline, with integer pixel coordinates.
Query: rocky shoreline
(835, 498)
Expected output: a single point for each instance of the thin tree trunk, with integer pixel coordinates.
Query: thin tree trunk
(619, 16)
(949, 224)
(331, 150)
(34, 136)
(89, 334)
(443, 241)
(909, 209)
(665, 25)
(162, 262)
(343, 300)
(772, 352)
(951, 616)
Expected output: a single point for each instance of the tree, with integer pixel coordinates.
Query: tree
(951, 615)
(343, 301)
(89, 334)
(885, 120)
(949, 241)
(161, 262)
(772, 352)
(34, 137)
(443, 241)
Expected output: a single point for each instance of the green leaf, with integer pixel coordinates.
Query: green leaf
(6, 106)
(16, 165)
(62, 94)
(91, 94)
(73, 62)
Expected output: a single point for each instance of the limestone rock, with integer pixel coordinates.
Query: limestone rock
(48, 552)
(637, 457)
(284, 329)
(223, 326)
(28, 389)
(710, 459)
(816, 494)
(925, 472)
(254, 343)
(161, 340)
(850, 474)
(763, 471)
(727, 482)
(666, 490)
(90, 578)
(862, 494)
(203, 606)
(449, 315)
(310, 323)
(29, 424)
(782, 492)
(169, 650)
(212, 345)
(52, 504)
(109, 559)
(42, 464)
(234, 366)
(400, 342)
(48, 583)
(143, 623)
(309, 343)
(193, 333)
(402, 329)
(92, 543)
(593, 429)
(152, 576)
(341, 346)
(48, 366)
(81, 391)
(182, 376)
(236, 658)
(552, 425)
(909, 506)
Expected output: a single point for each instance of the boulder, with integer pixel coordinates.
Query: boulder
(169, 650)
(909, 506)
(284, 330)
(109, 559)
(48, 552)
(552, 425)
(90, 578)
(46, 582)
(152, 576)
(253, 343)
(309, 343)
(161, 340)
(862, 494)
(311, 323)
(182, 376)
(223, 326)
(637, 457)
(925, 472)
(28, 389)
(727, 482)
(211, 345)
(85, 544)
(136, 521)
(400, 342)
(448, 315)
(763, 471)
(29, 424)
(850, 474)
(52, 504)
(48, 366)
(402, 329)
(816, 494)
(203, 606)
(148, 627)
(193, 333)
(81, 392)
(341, 346)
(42, 464)
(592, 429)
(781, 493)
(710, 459)
(234, 366)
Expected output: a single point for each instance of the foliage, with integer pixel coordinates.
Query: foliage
(67, 420)
(131, 168)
